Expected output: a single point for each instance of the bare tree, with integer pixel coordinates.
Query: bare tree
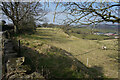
(3, 22)
(91, 12)
(20, 11)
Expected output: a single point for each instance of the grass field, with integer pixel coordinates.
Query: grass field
(104, 61)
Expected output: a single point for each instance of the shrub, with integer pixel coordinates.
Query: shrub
(45, 24)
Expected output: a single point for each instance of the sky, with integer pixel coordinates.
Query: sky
(60, 17)
(51, 8)
(50, 16)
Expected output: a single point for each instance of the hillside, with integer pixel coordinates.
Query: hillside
(100, 62)
(107, 27)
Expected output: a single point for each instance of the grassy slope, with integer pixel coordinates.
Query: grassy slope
(39, 54)
(102, 60)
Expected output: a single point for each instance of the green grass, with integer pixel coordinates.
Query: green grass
(100, 61)
(52, 59)
(91, 36)
(85, 33)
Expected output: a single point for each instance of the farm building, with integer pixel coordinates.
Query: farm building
(98, 33)
(109, 34)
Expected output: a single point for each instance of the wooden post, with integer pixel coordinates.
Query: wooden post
(42, 71)
(69, 49)
(87, 61)
(19, 50)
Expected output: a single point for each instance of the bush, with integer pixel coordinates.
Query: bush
(27, 27)
(39, 26)
(78, 32)
(45, 24)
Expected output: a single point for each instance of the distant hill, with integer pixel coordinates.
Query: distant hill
(107, 26)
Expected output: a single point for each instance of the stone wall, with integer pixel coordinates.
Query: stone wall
(0, 56)
(13, 67)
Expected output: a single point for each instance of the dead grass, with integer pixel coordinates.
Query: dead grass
(81, 49)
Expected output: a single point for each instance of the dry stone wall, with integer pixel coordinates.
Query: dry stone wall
(13, 68)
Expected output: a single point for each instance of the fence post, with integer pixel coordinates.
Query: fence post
(87, 61)
(19, 50)
(69, 49)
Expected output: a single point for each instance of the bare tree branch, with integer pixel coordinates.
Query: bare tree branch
(19, 11)
(91, 12)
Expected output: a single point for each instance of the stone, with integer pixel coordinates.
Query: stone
(9, 51)
(14, 68)
(16, 61)
(14, 65)
(8, 48)
(11, 55)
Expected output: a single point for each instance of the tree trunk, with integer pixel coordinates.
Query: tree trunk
(15, 28)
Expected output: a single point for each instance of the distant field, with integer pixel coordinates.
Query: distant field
(105, 61)
(86, 33)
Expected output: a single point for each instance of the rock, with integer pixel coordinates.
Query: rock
(9, 51)
(15, 70)
(8, 48)
(8, 45)
(16, 61)
(7, 40)
(8, 56)
(35, 75)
